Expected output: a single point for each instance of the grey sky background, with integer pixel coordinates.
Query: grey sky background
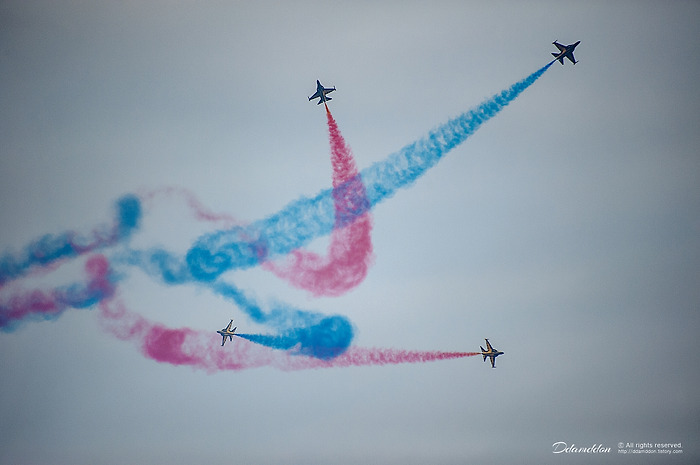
(566, 230)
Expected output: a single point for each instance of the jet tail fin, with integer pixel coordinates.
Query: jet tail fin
(560, 58)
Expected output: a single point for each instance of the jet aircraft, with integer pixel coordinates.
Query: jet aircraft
(227, 332)
(565, 51)
(321, 93)
(491, 353)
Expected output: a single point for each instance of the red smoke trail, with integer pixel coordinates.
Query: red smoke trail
(350, 251)
(52, 303)
(359, 356)
(202, 349)
(200, 212)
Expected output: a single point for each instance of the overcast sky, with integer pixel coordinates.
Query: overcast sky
(566, 229)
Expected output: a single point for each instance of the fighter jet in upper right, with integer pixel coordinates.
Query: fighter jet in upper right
(565, 51)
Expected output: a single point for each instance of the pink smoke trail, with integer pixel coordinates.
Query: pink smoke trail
(350, 251)
(199, 211)
(48, 304)
(360, 356)
(202, 349)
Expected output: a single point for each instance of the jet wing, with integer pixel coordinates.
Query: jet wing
(559, 46)
(493, 362)
(488, 346)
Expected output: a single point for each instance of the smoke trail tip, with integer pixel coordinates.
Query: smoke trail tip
(129, 213)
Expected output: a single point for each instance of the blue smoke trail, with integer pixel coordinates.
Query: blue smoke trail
(48, 305)
(300, 331)
(307, 333)
(325, 340)
(51, 248)
(307, 218)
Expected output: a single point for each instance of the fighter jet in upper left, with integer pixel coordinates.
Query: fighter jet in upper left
(321, 93)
